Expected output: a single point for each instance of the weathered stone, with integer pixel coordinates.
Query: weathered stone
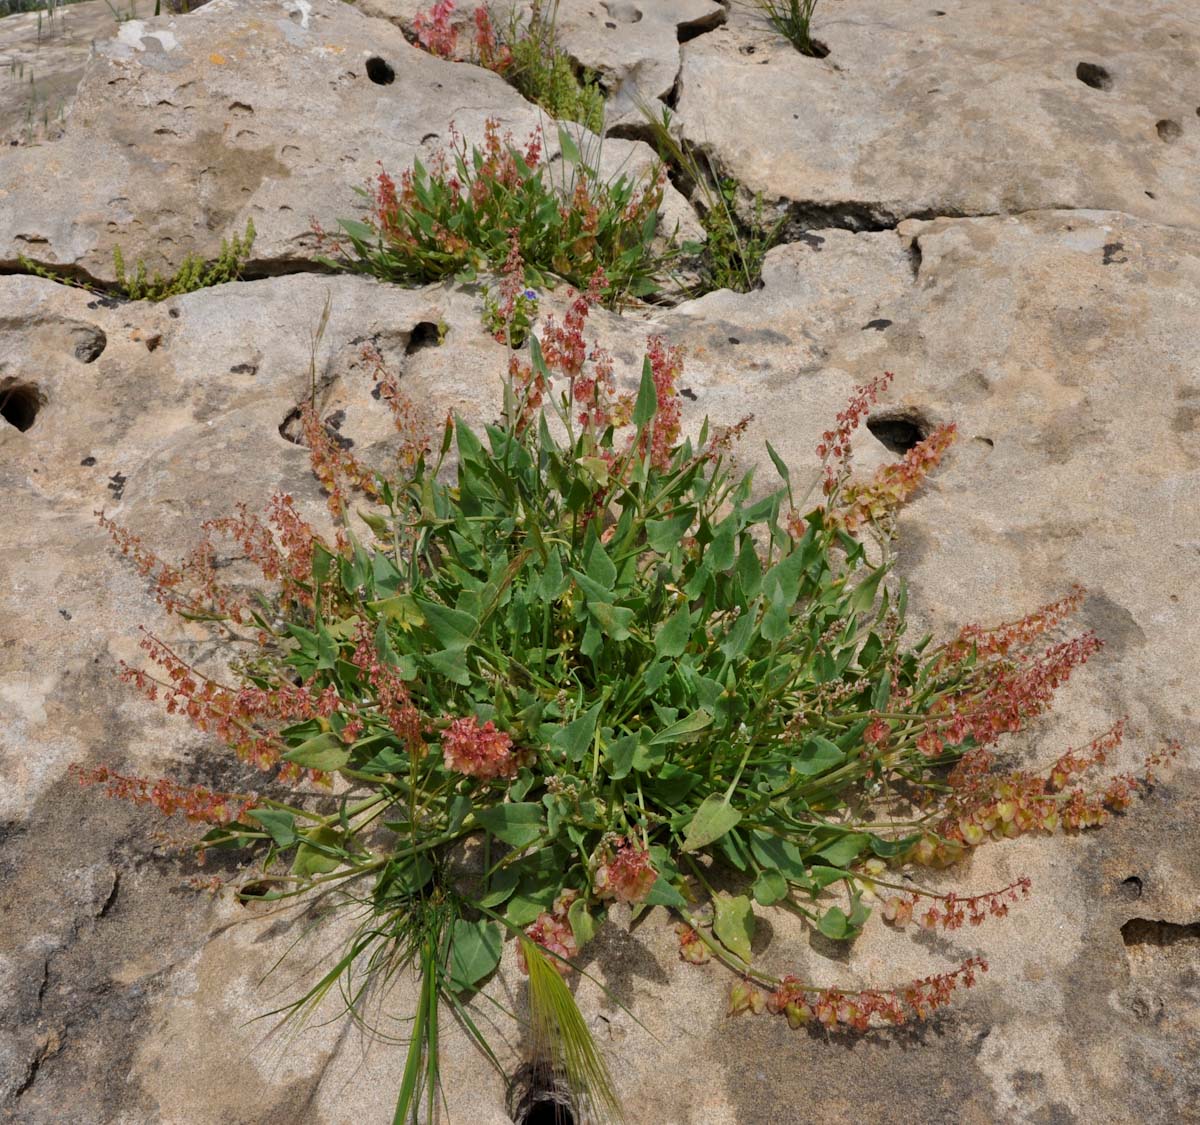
(1061, 342)
(1069, 373)
(986, 107)
(189, 125)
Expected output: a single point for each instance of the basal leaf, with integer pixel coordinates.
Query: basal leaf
(325, 752)
(474, 952)
(733, 923)
(713, 819)
(515, 824)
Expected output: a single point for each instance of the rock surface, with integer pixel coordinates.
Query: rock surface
(229, 108)
(970, 108)
(1062, 343)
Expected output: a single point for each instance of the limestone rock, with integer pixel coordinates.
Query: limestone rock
(186, 126)
(980, 108)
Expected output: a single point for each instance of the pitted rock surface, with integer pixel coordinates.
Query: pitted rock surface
(1061, 341)
(249, 109)
(986, 107)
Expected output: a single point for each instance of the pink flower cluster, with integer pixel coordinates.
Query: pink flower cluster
(552, 931)
(626, 875)
(478, 751)
(435, 31)
(954, 909)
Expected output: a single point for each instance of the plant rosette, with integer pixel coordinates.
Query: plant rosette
(581, 645)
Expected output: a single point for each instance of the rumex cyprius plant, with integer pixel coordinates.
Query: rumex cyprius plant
(465, 213)
(590, 653)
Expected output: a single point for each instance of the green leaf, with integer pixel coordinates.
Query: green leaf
(503, 883)
(817, 756)
(664, 535)
(583, 925)
(779, 463)
(834, 924)
(281, 825)
(574, 739)
(614, 620)
(452, 628)
(672, 638)
(401, 610)
(713, 819)
(664, 893)
(356, 230)
(600, 569)
(845, 849)
(733, 923)
(684, 729)
(312, 856)
(620, 756)
(515, 824)
(474, 953)
(822, 876)
(720, 553)
(776, 621)
(570, 149)
(770, 887)
(882, 691)
(325, 752)
(646, 405)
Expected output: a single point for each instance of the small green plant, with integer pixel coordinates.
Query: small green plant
(511, 307)
(544, 74)
(592, 665)
(526, 52)
(460, 217)
(193, 273)
(731, 257)
(793, 19)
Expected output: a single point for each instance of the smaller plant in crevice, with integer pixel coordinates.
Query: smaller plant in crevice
(793, 20)
(525, 52)
(732, 255)
(463, 214)
(193, 273)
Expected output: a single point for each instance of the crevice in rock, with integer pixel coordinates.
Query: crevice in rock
(1156, 932)
(915, 257)
(693, 29)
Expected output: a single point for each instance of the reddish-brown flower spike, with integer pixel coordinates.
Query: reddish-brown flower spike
(196, 802)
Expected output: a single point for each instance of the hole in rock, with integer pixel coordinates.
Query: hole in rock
(623, 11)
(19, 404)
(899, 430)
(1151, 195)
(380, 72)
(1152, 931)
(255, 890)
(90, 343)
(425, 334)
(1094, 75)
(819, 50)
(537, 1096)
(1168, 131)
(1132, 885)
